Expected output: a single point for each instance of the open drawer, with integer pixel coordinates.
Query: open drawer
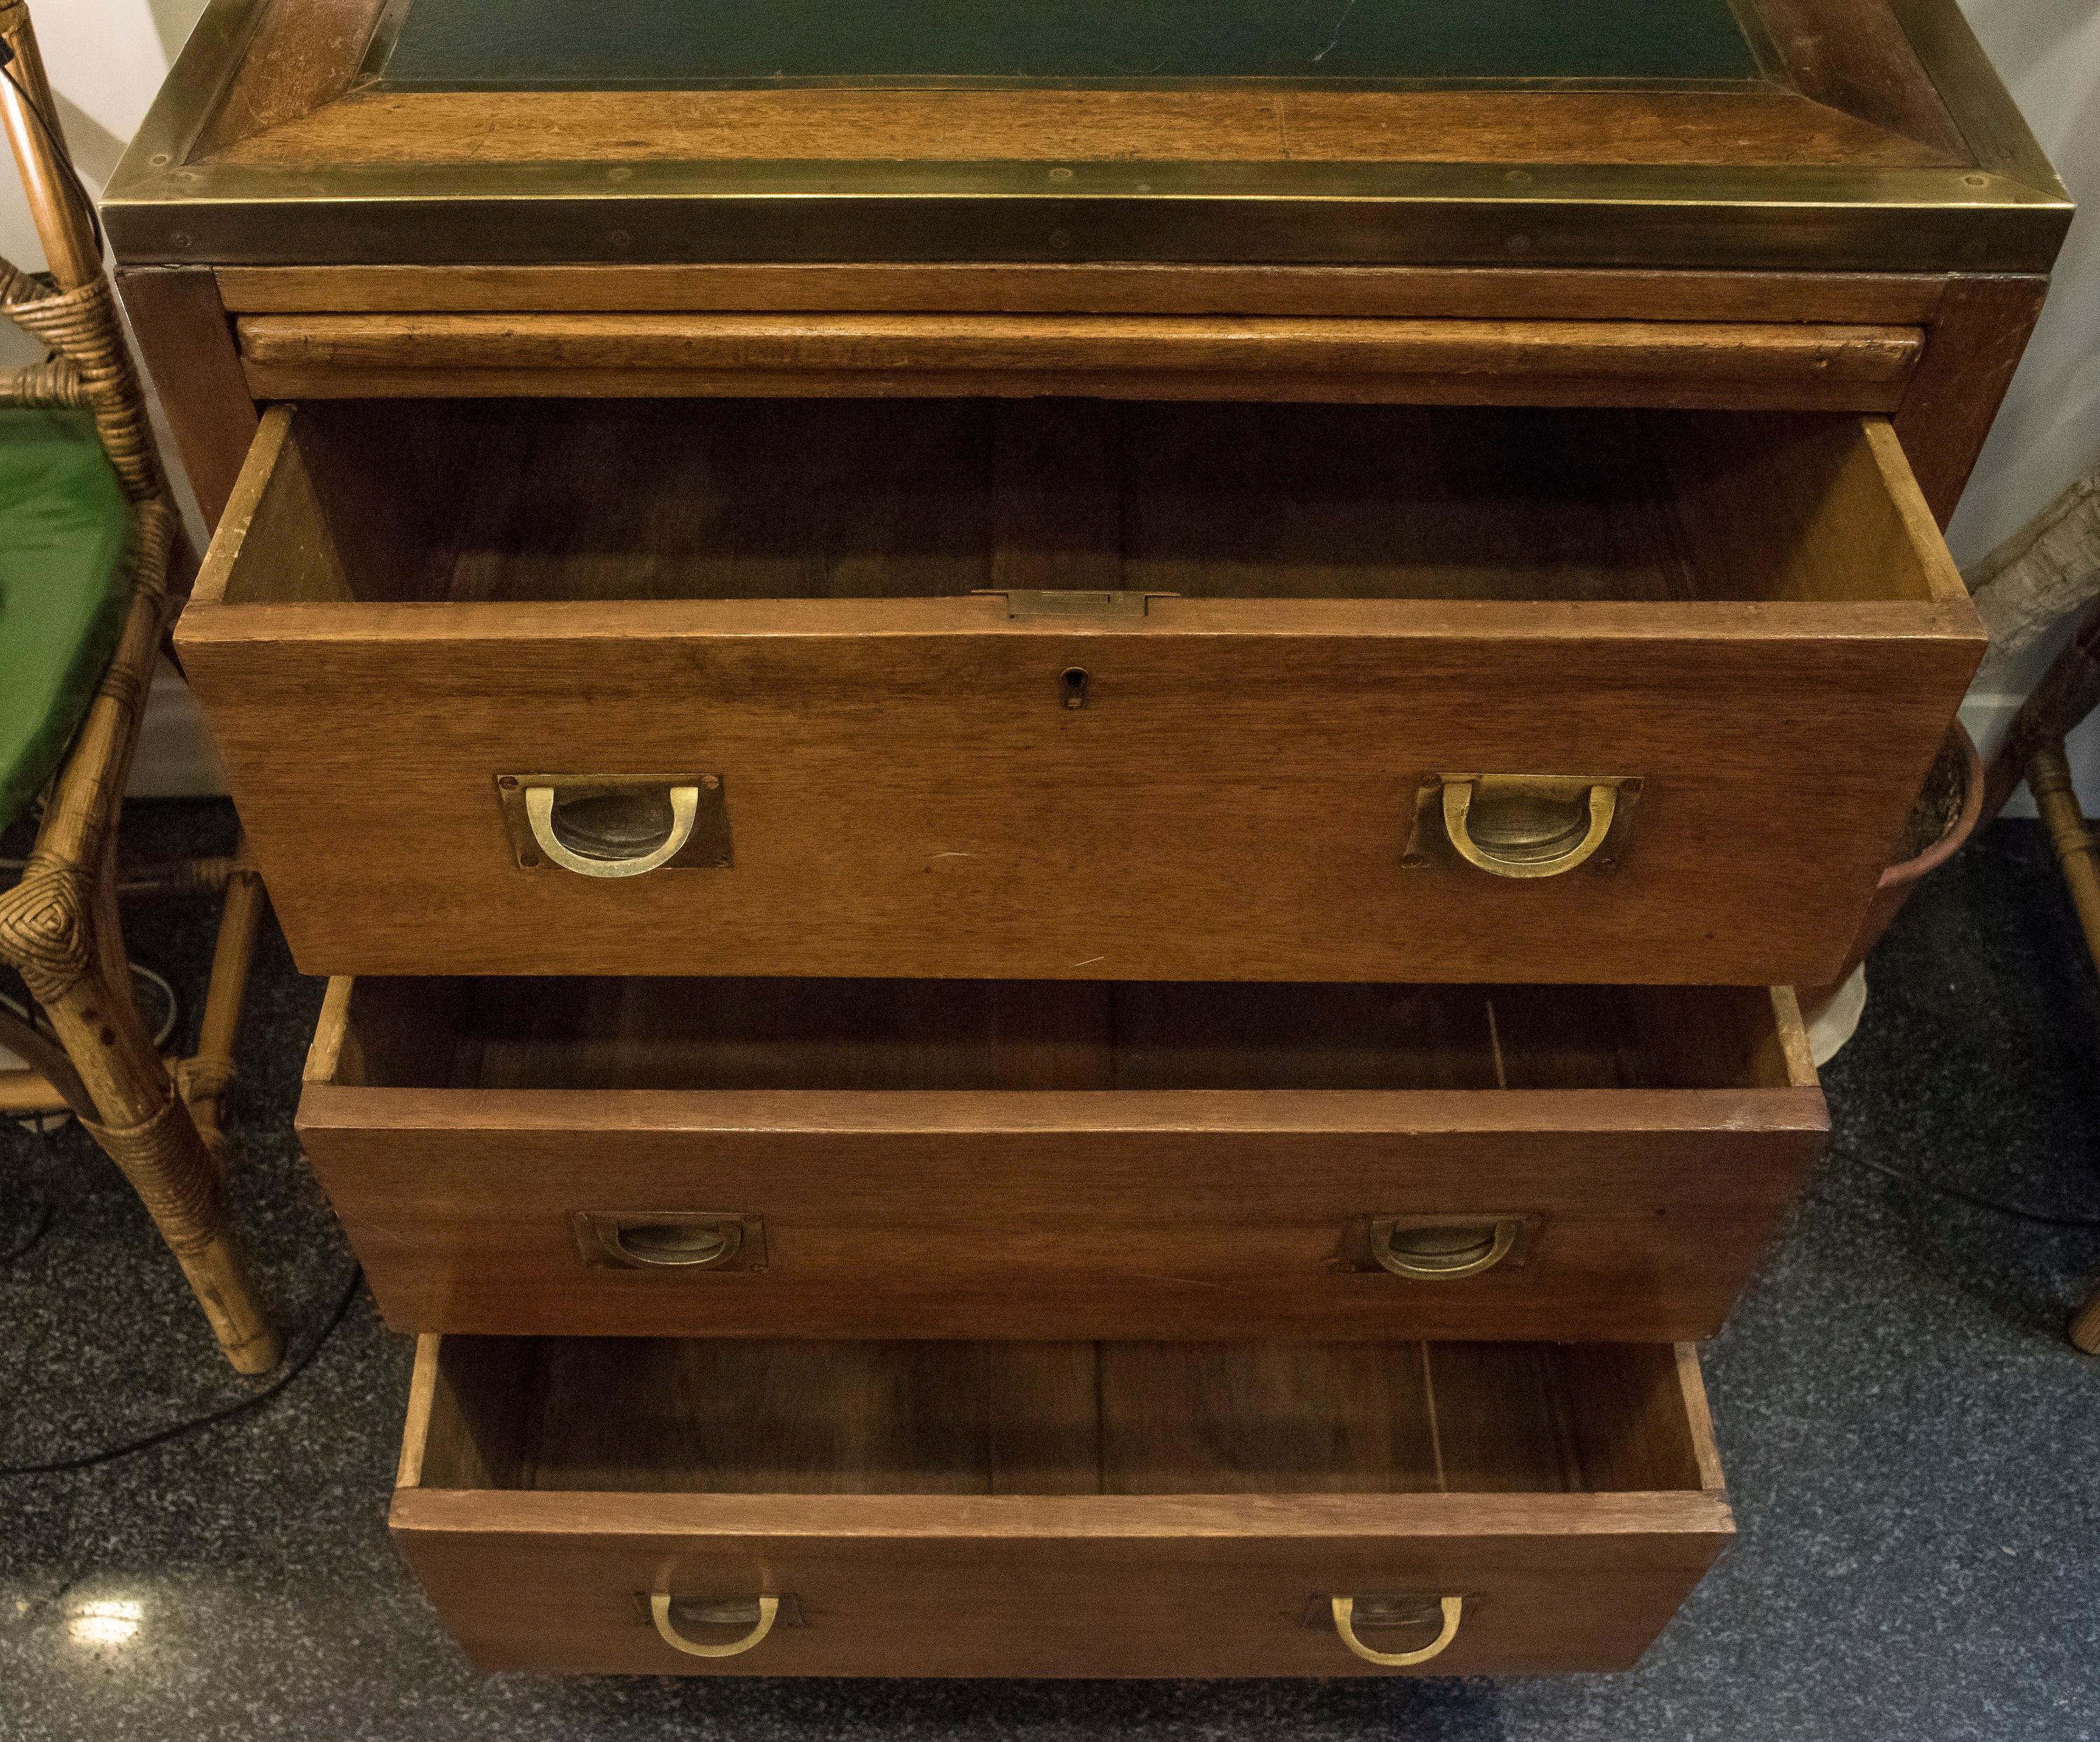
(1075, 688)
(1056, 1509)
(883, 1159)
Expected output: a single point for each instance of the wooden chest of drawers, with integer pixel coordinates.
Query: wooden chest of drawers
(1065, 809)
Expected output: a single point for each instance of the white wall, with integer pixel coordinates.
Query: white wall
(2048, 52)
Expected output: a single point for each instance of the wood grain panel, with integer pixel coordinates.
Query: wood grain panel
(1977, 340)
(185, 340)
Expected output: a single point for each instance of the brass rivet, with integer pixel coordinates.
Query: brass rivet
(711, 781)
(530, 861)
(1061, 175)
(1518, 175)
(619, 174)
(509, 782)
(1976, 181)
(180, 238)
(159, 159)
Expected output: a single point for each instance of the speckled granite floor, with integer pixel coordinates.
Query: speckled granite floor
(1913, 1451)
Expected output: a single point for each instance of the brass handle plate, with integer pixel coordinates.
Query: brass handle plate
(1443, 1251)
(615, 826)
(1450, 1609)
(670, 1240)
(1523, 825)
(1437, 1248)
(760, 1614)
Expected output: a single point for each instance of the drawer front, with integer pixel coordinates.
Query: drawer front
(863, 1220)
(1620, 362)
(1552, 1208)
(1215, 1588)
(1156, 1549)
(1202, 787)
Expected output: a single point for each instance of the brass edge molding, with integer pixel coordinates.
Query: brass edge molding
(2007, 213)
(1976, 97)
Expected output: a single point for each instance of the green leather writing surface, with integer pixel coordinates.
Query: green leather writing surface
(595, 44)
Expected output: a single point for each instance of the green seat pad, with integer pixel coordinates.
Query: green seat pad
(65, 533)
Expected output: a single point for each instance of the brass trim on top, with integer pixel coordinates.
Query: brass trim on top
(2005, 213)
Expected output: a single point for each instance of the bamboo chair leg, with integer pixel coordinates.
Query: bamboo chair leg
(48, 927)
(205, 1077)
(2048, 778)
(58, 930)
(2085, 1324)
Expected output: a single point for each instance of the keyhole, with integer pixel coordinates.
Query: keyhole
(1072, 684)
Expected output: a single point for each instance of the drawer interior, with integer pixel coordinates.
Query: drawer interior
(553, 500)
(585, 1033)
(667, 1415)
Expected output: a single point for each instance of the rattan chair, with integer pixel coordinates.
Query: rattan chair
(58, 924)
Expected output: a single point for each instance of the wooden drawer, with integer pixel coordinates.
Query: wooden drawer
(1056, 1509)
(1701, 660)
(872, 1158)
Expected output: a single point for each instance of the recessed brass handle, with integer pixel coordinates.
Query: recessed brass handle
(1527, 825)
(605, 853)
(1345, 1624)
(670, 1240)
(1443, 1251)
(764, 1611)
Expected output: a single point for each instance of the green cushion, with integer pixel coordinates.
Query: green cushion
(65, 532)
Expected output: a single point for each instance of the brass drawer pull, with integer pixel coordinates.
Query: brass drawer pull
(1438, 1252)
(1345, 1624)
(597, 852)
(615, 825)
(1524, 826)
(1521, 827)
(670, 1240)
(761, 1613)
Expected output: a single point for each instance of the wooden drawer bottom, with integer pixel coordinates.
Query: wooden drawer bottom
(1056, 1509)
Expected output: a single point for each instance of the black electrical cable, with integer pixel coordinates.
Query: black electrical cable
(1918, 1183)
(41, 1225)
(246, 1406)
(43, 1213)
